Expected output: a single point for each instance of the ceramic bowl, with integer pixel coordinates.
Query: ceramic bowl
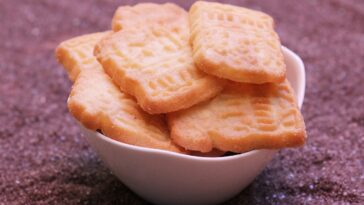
(164, 177)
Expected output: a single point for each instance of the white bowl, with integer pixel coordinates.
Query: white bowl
(164, 177)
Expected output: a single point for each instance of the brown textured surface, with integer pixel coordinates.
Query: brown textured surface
(44, 160)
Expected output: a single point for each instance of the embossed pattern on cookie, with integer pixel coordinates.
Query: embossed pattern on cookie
(154, 64)
(243, 117)
(99, 104)
(144, 14)
(77, 53)
(236, 43)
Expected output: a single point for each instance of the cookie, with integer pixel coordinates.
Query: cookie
(77, 53)
(154, 64)
(99, 104)
(145, 14)
(236, 43)
(243, 117)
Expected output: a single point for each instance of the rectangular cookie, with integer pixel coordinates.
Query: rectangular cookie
(243, 117)
(99, 104)
(153, 62)
(236, 43)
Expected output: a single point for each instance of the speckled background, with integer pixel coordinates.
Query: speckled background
(45, 160)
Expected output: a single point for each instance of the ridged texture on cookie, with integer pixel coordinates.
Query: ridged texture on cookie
(77, 53)
(99, 104)
(154, 63)
(236, 43)
(243, 117)
(166, 15)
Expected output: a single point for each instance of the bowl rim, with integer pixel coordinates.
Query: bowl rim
(154, 151)
(301, 72)
(300, 98)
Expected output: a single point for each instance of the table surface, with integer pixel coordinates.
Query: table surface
(45, 160)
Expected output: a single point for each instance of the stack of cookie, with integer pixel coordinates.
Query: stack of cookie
(211, 79)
